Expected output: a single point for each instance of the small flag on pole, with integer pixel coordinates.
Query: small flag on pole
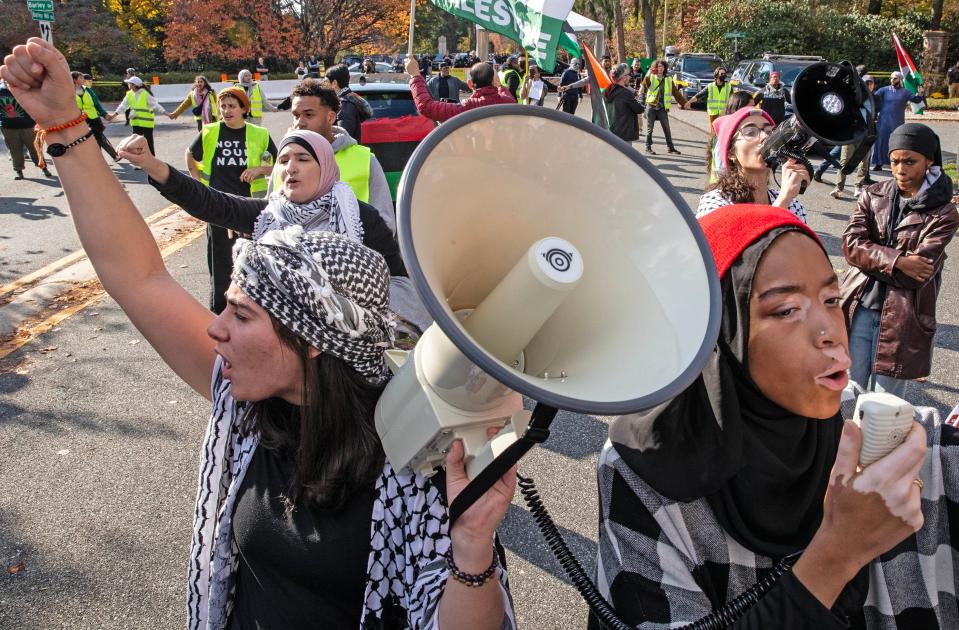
(598, 81)
(911, 79)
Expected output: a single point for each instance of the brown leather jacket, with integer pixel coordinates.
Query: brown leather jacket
(908, 321)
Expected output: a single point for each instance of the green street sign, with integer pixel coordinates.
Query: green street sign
(42, 16)
(735, 35)
(40, 6)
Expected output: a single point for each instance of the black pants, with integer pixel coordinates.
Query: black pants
(570, 103)
(652, 115)
(199, 125)
(219, 260)
(98, 127)
(146, 132)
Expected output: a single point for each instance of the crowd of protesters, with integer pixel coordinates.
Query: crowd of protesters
(752, 466)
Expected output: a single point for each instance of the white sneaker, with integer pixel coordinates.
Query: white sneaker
(858, 190)
(836, 193)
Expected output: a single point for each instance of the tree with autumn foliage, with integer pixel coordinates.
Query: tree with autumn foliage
(208, 32)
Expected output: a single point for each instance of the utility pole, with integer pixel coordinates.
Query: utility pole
(665, 10)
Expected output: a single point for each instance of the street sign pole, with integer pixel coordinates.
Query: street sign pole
(46, 31)
(42, 12)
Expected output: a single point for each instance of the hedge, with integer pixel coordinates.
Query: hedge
(800, 27)
(942, 103)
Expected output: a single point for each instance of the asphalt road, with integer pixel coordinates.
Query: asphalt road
(99, 441)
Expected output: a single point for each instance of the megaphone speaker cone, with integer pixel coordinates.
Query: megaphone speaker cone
(633, 331)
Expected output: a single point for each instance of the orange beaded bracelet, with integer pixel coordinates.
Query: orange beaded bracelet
(41, 136)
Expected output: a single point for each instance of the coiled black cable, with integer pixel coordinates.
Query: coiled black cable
(716, 620)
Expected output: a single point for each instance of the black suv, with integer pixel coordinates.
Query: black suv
(693, 70)
(753, 74)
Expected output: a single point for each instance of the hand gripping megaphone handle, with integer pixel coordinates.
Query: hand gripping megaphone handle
(536, 433)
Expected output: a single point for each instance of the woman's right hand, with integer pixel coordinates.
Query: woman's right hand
(39, 78)
(793, 176)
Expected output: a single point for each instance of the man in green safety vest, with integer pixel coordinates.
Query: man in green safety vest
(143, 106)
(716, 94)
(509, 76)
(232, 156)
(90, 105)
(314, 108)
(657, 91)
(255, 93)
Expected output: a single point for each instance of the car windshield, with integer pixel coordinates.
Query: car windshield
(788, 71)
(698, 66)
(390, 104)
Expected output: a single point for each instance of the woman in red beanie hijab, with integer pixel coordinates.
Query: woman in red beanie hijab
(752, 464)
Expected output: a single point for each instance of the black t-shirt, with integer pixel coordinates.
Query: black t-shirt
(229, 160)
(305, 569)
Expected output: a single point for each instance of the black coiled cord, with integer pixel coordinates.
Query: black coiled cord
(715, 620)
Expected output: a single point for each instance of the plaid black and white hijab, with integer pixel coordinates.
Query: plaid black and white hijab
(327, 288)
(336, 211)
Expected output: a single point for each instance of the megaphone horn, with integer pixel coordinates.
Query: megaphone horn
(585, 288)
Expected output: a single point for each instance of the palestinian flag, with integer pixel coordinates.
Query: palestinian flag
(598, 81)
(911, 78)
(393, 141)
(568, 42)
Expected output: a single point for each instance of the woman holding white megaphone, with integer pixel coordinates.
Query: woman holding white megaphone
(751, 475)
(298, 516)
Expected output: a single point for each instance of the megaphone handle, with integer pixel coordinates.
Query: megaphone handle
(536, 433)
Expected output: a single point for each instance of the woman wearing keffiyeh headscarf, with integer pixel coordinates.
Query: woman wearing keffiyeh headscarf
(299, 519)
(701, 496)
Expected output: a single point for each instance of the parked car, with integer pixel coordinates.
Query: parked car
(753, 74)
(396, 128)
(693, 71)
(381, 67)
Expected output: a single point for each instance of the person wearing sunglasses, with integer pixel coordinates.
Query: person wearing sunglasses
(716, 94)
(739, 173)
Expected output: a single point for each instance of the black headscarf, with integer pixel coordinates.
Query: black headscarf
(763, 470)
(919, 138)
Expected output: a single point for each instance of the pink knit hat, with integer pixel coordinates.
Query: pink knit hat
(725, 127)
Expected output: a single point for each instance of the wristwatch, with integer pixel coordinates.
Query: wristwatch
(56, 150)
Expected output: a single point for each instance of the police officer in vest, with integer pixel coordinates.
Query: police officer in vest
(232, 156)
(658, 90)
(255, 93)
(89, 104)
(315, 108)
(716, 94)
(143, 107)
(509, 76)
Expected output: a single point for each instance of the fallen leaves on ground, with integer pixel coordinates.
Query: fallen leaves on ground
(17, 568)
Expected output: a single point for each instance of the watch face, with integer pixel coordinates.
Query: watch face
(56, 150)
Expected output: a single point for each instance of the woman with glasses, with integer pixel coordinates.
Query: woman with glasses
(739, 173)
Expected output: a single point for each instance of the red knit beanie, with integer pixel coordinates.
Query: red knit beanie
(731, 229)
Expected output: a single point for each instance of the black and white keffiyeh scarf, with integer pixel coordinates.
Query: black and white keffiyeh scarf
(328, 289)
(337, 211)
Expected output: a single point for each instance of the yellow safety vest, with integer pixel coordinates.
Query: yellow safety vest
(257, 143)
(142, 115)
(256, 101)
(716, 98)
(655, 84)
(211, 95)
(354, 165)
(504, 79)
(85, 103)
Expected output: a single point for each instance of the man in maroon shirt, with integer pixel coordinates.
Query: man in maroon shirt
(482, 80)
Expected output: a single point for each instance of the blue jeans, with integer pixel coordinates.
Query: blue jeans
(832, 159)
(863, 337)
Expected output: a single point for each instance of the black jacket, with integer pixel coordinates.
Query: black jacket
(353, 111)
(237, 213)
(625, 108)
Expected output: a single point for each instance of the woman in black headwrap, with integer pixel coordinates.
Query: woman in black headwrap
(703, 495)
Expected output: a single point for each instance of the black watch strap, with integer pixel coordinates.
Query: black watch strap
(56, 150)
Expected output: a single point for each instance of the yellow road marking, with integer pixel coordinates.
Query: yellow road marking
(69, 259)
(31, 331)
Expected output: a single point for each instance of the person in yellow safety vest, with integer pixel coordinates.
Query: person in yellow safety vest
(232, 156)
(658, 90)
(314, 108)
(509, 76)
(716, 94)
(255, 93)
(202, 102)
(90, 105)
(139, 100)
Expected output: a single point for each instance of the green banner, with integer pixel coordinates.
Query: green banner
(535, 25)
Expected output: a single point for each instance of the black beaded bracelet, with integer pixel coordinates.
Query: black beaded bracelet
(470, 579)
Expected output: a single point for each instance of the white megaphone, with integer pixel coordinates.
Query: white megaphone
(558, 264)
